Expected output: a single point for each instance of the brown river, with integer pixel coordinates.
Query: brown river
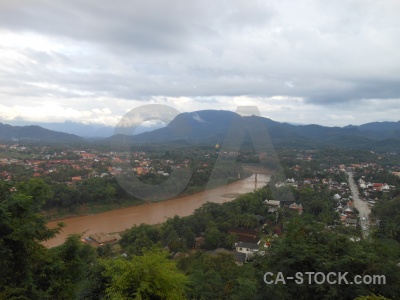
(120, 219)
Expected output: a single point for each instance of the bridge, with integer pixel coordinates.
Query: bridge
(256, 169)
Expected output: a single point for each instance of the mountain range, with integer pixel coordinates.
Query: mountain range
(34, 133)
(91, 131)
(212, 126)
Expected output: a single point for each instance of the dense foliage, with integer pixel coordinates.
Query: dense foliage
(167, 262)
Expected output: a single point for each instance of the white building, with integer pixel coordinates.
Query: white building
(246, 248)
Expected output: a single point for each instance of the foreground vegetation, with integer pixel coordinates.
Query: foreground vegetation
(159, 262)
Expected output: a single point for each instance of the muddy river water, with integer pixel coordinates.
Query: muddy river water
(120, 219)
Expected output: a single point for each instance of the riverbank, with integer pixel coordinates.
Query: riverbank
(96, 208)
(88, 209)
(154, 213)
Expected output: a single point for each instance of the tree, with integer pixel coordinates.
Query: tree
(150, 276)
(76, 259)
(40, 191)
(388, 212)
(246, 221)
(213, 238)
(309, 247)
(138, 238)
(216, 276)
(170, 238)
(24, 261)
(371, 297)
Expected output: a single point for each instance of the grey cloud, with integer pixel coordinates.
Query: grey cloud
(99, 21)
(357, 91)
(328, 55)
(146, 25)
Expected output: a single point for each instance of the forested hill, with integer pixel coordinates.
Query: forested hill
(34, 133)
(211, 126)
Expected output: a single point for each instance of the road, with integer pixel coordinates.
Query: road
(362, 206)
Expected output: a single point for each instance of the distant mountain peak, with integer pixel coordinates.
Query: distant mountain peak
(212, 126)
(35, 133)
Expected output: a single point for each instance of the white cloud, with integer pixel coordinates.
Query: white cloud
(198, 118)
(49, 112)
(283, 109)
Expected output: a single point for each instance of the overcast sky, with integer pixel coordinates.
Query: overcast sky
(323, 62)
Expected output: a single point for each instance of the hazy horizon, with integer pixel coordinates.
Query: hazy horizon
(103, 130)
